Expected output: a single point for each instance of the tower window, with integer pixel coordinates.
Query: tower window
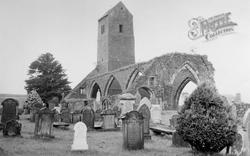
(120, 28)
(102, 29)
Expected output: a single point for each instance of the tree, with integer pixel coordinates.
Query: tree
(33, 99)
(47, 77)
(205, 121)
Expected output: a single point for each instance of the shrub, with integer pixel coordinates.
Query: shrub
(205, 121)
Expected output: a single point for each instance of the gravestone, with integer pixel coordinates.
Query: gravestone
(9, 111)
(65, 115)
(144, 110)
(173, 121)
(155, 113)
(127, 102)
(132, 128)
(117, 111)
(88, 117)
(76, 117)
(9, 117)
(44, 123)
(80, 137)
(178, 141)
(108, 119)
(36, 107)
(98, 116)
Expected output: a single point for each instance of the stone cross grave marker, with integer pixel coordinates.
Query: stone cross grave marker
(88, 117)
(9, 117)
(44, 123)
(80, 137)
(132, 128)
(144, 110)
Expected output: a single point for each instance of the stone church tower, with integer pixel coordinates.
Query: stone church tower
(115, 39)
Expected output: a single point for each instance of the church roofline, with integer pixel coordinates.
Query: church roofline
(150, 62)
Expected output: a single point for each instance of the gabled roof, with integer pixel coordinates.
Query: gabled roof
(120, 4)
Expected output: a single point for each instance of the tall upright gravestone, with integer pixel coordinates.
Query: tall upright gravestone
(44, 123)
(144, 110)
(9, 110)
(9, 117)
(88, 117)
(80, 137)
(132, 128)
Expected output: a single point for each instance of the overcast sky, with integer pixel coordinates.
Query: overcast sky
(68, 30)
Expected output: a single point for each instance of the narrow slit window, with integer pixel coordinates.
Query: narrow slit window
(102, 29)
(120, 28)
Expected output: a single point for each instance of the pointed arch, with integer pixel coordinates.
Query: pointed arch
(180, 89)
(95, 87)
(180, 79)
(132, 78)
(112, 87)
(186, 66)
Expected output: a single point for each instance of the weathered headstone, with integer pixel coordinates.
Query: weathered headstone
(44, 123)
(127, 102)
(76, 117)
(36, 107)
(88, 117)
(80, 137)
(155, 113)
(65, 115)
(178, 141)
(98, 116)
(144, 110)
(173, 121)
(9, 111)
(9, 117)
(133, 134)
(108, 119)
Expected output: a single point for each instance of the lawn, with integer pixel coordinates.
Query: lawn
(100, 144)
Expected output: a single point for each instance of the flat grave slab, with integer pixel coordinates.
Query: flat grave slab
(159, 130)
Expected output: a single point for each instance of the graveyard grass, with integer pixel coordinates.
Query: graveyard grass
(100, 144)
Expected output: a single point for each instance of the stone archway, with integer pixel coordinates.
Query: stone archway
(94, 90)
(180, 79)
(96, 94)
(132, 78)
(113, 87)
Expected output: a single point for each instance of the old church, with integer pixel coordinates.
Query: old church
(161, 79)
